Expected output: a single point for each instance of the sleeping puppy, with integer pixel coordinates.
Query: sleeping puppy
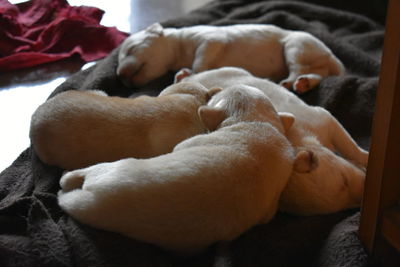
(211, 187)
(331, 184)
(295, 58)
(76, 129)
(337, 181)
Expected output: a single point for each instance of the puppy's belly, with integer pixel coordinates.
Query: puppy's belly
(263, 60)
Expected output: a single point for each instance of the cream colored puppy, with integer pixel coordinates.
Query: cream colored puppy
(295, 58)
(331, 185)
(212, 186)
(76, 129)
(337, 181)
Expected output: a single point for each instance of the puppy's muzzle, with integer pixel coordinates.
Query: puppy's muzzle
(127, 68)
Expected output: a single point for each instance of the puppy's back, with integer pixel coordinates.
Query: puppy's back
(76, 129)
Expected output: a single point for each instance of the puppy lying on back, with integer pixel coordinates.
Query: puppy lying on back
(335, 182)
(211, 187)
(295, 58)
(76, 129)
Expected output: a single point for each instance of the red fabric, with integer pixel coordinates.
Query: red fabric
(42, 31)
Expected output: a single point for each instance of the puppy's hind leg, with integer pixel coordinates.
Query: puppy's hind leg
(306, 82)
(314, 73)
(303, 77)
(308, 61)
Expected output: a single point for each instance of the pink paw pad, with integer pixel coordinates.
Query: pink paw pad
(185, 72)
(302, 85)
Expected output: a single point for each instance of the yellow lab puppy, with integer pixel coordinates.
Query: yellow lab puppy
(297, 59)
(76, 129)
(212, 186)
(335, 181)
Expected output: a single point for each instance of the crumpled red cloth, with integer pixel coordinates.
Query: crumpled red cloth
(42, 31)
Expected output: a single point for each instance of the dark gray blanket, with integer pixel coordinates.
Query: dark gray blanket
(35, 232)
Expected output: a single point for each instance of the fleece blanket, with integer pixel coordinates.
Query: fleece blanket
(37, 32)
(34, 231)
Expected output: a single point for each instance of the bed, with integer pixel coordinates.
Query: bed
(34, 231)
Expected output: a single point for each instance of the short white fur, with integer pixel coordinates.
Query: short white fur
(212, 187)
(335, 180)
(296, 59)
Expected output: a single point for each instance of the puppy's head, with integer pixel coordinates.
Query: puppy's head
(322, 182)
(242, 103)
(196, 89)
(141, 52)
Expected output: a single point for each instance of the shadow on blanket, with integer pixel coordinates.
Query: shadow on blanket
(35, 232)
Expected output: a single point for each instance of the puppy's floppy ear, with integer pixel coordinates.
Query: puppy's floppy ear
(212, 92)
(155, 28)
(211, 116)
(305, 161)
(287, 120)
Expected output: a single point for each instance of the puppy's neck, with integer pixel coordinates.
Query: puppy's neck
(236, 119)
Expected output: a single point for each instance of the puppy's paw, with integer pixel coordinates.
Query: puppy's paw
(183, 73)
(72, 180)
(305, 83)
(301, 85)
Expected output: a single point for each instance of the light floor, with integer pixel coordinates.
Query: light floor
(23, 91)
